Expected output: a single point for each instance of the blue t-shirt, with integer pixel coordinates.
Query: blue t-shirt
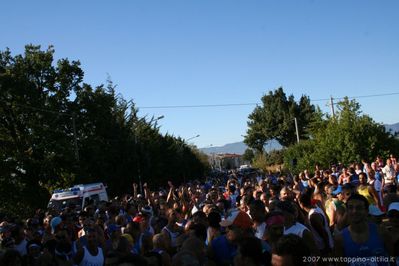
(378, 176)
(224, 251)
(371, 249)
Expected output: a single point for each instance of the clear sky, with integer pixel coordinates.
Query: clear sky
(179, 53)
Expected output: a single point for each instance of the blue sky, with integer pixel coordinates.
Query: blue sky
(174, 53)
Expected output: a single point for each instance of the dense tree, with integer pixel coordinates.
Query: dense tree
(248, 155)
(56, 131)
(274, 119)
(348, 137)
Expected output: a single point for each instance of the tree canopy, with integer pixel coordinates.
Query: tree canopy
(274, 119)
(56, 130)
(348, 137)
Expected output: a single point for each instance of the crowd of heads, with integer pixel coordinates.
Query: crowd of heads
(248, 219)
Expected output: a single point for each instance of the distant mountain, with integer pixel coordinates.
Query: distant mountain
(393, 128)
(238, 148)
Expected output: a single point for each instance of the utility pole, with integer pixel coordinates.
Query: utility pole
(332, 106)
(296, 128)
(75, 138)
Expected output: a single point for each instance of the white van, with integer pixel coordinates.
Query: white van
(78, 195)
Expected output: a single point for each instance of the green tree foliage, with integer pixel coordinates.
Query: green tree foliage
(274, 119)
(348, 137)
(56, 131)
(248, 155)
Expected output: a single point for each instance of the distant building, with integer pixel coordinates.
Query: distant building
(225, 161)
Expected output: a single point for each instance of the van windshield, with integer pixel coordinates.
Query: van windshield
(61, 204)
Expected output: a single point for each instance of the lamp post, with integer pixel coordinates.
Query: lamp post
(184, 168)
(138, 151)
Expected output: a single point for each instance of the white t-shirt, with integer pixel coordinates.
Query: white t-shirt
(296, 229)
(318, 239)
(260, 230)
(91, 260)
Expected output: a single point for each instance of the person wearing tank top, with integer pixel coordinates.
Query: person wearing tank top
(319, 225)
(361, 241)
(90, 255)
(367, 190)
(171, 231)
(292, 226)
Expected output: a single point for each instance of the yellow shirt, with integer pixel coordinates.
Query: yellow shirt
(364, 191)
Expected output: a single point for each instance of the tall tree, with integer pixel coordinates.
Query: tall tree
(348, 137)
(274, 119)
(56, 131)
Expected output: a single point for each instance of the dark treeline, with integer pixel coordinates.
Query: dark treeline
(56, 130)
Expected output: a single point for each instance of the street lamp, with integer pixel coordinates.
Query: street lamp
(182, 149)
(192, 137)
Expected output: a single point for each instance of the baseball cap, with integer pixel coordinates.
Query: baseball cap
(374, 210)
(138, 218)
(113, 228)
(237, 218)
(337, 191)
(393, 206)
(54, 223)
(147, 210)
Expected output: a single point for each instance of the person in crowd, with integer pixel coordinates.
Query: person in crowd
(361, 238)
(319, 224)
(344, 177)
(258, 213)
(250, 253)
(92, 254)
(291, 250)
(368, 191)
(223, 249)
(392, 230)
(172, 231)
(214, 229)
(292, 226)
(389, 177)
(209, 223)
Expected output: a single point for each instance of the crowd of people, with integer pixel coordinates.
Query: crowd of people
(341, 215)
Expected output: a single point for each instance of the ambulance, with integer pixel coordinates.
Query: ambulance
(79, 196)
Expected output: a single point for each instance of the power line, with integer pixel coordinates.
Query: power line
(207, 105)
(197, 106)
(249, 104)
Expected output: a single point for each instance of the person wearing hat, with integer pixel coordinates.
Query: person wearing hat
(223, 249)
(334, 201)
(274, 228)
(392, 229)
(55, 224)
(375, 214)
